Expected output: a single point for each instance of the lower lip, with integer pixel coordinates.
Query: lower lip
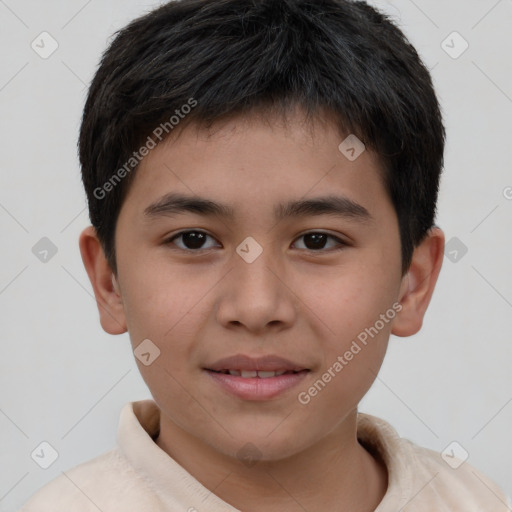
(257, 388)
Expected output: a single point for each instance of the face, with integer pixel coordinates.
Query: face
(265, 266)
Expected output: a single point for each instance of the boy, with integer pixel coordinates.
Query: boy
(262, 178)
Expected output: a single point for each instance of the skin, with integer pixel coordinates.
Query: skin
(294, 301)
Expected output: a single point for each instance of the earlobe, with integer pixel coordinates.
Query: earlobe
(105, 286)
(419, 283)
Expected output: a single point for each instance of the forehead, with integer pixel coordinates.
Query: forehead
(269, 159)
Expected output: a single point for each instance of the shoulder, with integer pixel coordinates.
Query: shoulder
(90, 487)
(457, 483)
(421, 479)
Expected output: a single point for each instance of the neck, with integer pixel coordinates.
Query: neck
(336, 473)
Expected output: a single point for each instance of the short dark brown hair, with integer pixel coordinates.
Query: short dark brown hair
(214, 58)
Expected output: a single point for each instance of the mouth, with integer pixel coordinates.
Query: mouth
(263, 364)
(256, 378)
(260, 374)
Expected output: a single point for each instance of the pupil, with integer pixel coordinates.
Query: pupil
(318, 241)
(194, 240)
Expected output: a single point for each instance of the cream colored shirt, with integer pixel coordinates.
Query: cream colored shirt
(138, 476)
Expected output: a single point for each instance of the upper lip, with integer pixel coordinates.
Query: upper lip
(269, 363)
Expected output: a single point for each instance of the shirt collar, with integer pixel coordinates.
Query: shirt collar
(139, 427)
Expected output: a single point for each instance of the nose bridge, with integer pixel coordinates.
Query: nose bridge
(258, 275)
(254, 293)
(255, 272)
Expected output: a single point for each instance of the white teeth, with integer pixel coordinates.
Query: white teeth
(251, 374)
(266, 375)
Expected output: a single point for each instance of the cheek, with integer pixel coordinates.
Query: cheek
(351, 299)
(350, 363)
(166, 306)
(163, 308)
(159, 300)
(358, 307)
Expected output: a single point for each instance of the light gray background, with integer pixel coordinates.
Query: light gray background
(64, 381)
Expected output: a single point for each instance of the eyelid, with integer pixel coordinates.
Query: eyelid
(338, 236)
(341, 241)
(170, 240)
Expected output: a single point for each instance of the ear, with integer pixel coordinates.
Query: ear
(104, 283)
(419, 283)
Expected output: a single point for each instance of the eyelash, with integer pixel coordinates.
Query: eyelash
(340, 242)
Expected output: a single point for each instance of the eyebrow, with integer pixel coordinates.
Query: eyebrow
(339, 206)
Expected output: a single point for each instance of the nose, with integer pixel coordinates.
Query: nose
(257, 296)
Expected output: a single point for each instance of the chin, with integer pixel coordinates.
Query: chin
(259, 446)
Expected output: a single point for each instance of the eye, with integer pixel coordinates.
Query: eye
(190, 240)
(195, 241)
(316, 241)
